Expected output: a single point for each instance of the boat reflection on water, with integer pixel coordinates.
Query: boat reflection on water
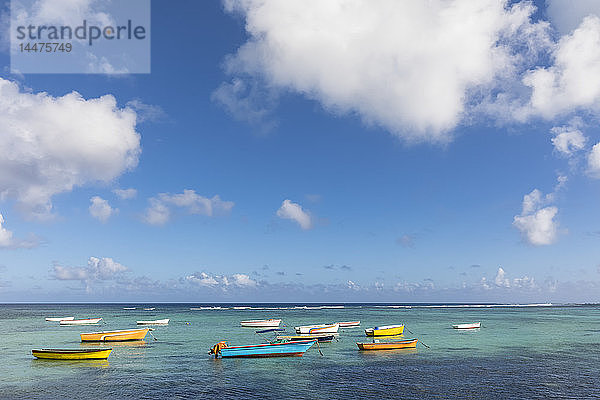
(133, 343)
(45, 363)
(382, 354)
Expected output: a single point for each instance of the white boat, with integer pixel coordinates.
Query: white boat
(149, 309)
(128, 308)
(155, 322)
(467, 326)
(58, 319)
(261, 323)
(349, 324)
(89, 321)
(321, 328)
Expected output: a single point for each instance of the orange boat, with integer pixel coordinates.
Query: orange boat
(115, 336)
(400, 344)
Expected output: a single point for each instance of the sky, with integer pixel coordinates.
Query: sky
(311, 151)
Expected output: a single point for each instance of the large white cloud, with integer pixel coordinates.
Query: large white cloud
(296, 213)
(104, 268)
(573, 80)
(52, 144)
(159, 210)
(406, 66)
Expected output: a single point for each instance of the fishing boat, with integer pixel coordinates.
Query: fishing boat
(115, 336)
(58, 319)
(387, 330)
(149, 309)
(321, 338)
(322, 328)
(399, 344)
(72, 354)
(88, 321)
(349, 324)
(155, 322)
(261, 323)
(280, 349)
(474, 325)
(128, 308)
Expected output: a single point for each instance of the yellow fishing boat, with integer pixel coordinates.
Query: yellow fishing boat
(377, 345)
(72, 354)
(388, 330)
(115, 336)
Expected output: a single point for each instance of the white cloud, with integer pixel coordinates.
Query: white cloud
(125, 194)
(97, 269)
(52, 144)
(8, 241)
(567, 140)
(159, 212)
(409, 67)
(100, 209)
(501, 280)
(573, 81)
(294, 211)
(594, 161)
(536, 222)
(220, 281)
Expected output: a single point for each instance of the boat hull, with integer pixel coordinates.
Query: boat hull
(76, 354)
(403, 344)
(58, 319)
(261, 323)
(385, 331)
(286, 349)
(312, 329)
(321, 338)
(349, 324)
(89, 321)
(476, 325)
(115, 336)
(157, 322)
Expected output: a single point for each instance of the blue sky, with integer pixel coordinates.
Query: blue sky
(439, 152)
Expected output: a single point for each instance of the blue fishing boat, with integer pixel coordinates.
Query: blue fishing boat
(283, 349)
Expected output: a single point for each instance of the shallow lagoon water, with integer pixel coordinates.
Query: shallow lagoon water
(520, 352)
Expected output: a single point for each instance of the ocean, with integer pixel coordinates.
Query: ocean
(521, 352)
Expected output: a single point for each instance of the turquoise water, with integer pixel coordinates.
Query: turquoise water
(520, 352)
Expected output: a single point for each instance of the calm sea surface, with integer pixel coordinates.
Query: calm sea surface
(520, 352)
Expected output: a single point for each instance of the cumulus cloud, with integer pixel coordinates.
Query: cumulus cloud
(97, 269)
(294, 212)
(409, 67)
(159, 210)
(125, 194)
(100, 209)
(536, 221)
(573, 80)
(568, 140)
(220, 281)
(502, 281)
(52, 144)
